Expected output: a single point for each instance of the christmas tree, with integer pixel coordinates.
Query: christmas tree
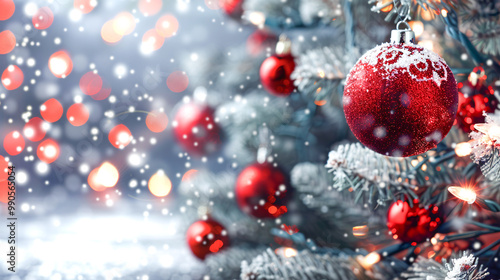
(250, 139)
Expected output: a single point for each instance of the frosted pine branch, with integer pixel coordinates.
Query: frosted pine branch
(304, 266)
(319, 72)
(484, 144)
(312, 183)
(227, 264)
(486, 37)
(459, 268)
(433, 5)
(323, 11)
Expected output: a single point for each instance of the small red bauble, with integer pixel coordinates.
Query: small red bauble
(206, 237)
(196, 130)
(473, 98)
(233, 8)
(413, 224)
(400, 99)
(275, 74)
(262, 191)
(259, 41)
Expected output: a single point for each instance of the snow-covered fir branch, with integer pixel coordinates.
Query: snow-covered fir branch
(227, 263)
(484, 145)
(307, 265)
(376, 178)
(464, 267)
(312, 183)
(319, 73)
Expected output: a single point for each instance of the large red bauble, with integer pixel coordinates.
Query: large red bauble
(262, 191)
(275, 74)
(472, 101)
(206, 237)
(400, 100)
(413, 224)
(196, 130)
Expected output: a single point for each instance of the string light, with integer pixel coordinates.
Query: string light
(465, 194)
(463, 149)
(369, 260)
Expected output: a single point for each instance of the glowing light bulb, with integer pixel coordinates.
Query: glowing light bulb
(467, 195)
(369, 260)
(463, 149)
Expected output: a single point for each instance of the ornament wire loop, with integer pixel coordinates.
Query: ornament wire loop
(403, 22)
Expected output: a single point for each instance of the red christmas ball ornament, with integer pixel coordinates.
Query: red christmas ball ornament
(276, 70)
(207, 237)
(413, 224)
(233, 8)
(474, 98)
(400, 99)
(259, 41)
(196, 130)
(262, 191)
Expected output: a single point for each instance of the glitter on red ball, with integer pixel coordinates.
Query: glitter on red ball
(473, 99)
(275, 74)
(207, 237)
(413, 224)
(262, 191)
(400, 100)
(196, 130)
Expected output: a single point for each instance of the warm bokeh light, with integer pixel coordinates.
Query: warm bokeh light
(320, 102)
(189, 175)
(159, 184)
(103, 93)
(78, 114)
(151, 41)
(108, 33)
(286, 252)
(90, 83)
(35, 129)
(51, 110)
(463, 149)
(93, 182)
(48, 151)
(386, 4)
(360, 231)
(167, 26)
(417, 27)
(428, 44)
(12, 77)
(7, 41)
(85, 6)
(177, 81)
(4, 169)
(107, 175)
(156, 121)
(120, 136)
(43, 18)
(7, 8)
(124, 23)
(466, 194)
(13, 143)
(369, 260)
(60, 64)
(150, 7)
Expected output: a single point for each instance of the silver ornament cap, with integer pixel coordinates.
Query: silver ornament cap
(402, 36)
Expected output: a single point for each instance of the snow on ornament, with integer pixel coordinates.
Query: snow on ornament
(400, 99)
